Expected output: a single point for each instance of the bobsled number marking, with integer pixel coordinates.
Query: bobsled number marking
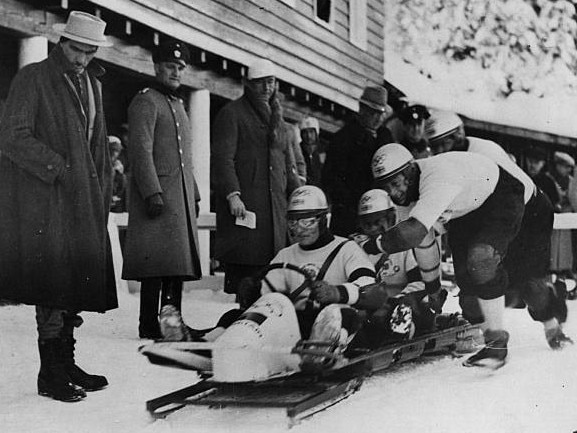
(257, 318)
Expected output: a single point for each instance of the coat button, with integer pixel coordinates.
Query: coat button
(50, 167)
(182, 165)
(93, 175)
(180, 150)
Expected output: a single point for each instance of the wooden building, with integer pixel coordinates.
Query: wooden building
(326, 52)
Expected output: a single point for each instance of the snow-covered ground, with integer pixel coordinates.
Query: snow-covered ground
(536, 392)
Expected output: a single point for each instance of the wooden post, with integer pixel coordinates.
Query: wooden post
(32, 49)
(199, 104)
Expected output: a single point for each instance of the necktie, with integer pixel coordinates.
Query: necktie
(80, 90)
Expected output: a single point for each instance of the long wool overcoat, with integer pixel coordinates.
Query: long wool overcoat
(160, 155)
(246, 159)
(347, 172)
(54, 246)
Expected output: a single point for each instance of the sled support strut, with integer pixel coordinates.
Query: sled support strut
(303, 395)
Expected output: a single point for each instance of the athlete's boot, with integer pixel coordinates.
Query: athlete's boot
(173, 328)
(494, 354)
(333, 329)
(556, 338)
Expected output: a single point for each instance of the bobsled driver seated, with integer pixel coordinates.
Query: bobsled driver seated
(332, 308)
(408, 311)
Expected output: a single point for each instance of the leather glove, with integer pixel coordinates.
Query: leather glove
(437, 300)
(370, 246)
(154, 205)
(325, 293)
(359, 238)
(248, 292)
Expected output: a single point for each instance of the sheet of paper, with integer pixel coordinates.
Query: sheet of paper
(248, 221)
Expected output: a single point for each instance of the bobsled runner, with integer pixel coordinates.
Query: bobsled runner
(258, 361)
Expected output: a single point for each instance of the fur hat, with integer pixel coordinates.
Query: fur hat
(84, 28)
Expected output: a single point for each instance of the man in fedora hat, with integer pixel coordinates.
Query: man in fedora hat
(347, 171)
(56, 187)
(161, 248)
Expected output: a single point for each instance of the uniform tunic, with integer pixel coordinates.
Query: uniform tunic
(160, 155)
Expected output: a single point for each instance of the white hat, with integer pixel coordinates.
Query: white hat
(261, 68)
(84, 28)
(309, 122)
(441, 123)
(308, 199)
(563, 158)
(373, 201)
(389, 160)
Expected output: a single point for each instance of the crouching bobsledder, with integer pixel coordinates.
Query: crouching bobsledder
(482, 206)
(414, 298)
(527, 261)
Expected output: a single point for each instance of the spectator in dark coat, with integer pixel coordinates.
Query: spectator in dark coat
(347, 171)
(314, 159)
(161, 241)
(535, 161)
(118, 203)
(253, 170)
(55, 190)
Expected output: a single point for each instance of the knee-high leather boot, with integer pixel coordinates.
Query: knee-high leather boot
(53, 381)
(88, 382)
(148, 320)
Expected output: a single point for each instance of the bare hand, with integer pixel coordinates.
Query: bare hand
(236, 206)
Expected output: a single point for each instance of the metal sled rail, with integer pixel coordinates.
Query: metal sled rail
(303, 395)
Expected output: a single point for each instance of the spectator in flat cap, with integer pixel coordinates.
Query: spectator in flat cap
(55, 163)
(346, 174)
(253, 173)
(161, 247)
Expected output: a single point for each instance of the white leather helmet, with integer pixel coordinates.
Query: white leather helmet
(374, 200)
(307, 200)
(389, 160)
(441, 123)
(309, 122)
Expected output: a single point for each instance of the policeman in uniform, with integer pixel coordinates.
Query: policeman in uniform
(161, 242)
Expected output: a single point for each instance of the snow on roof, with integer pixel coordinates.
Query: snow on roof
(464, 88)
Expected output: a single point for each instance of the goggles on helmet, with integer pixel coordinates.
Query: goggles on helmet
(303, 223)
